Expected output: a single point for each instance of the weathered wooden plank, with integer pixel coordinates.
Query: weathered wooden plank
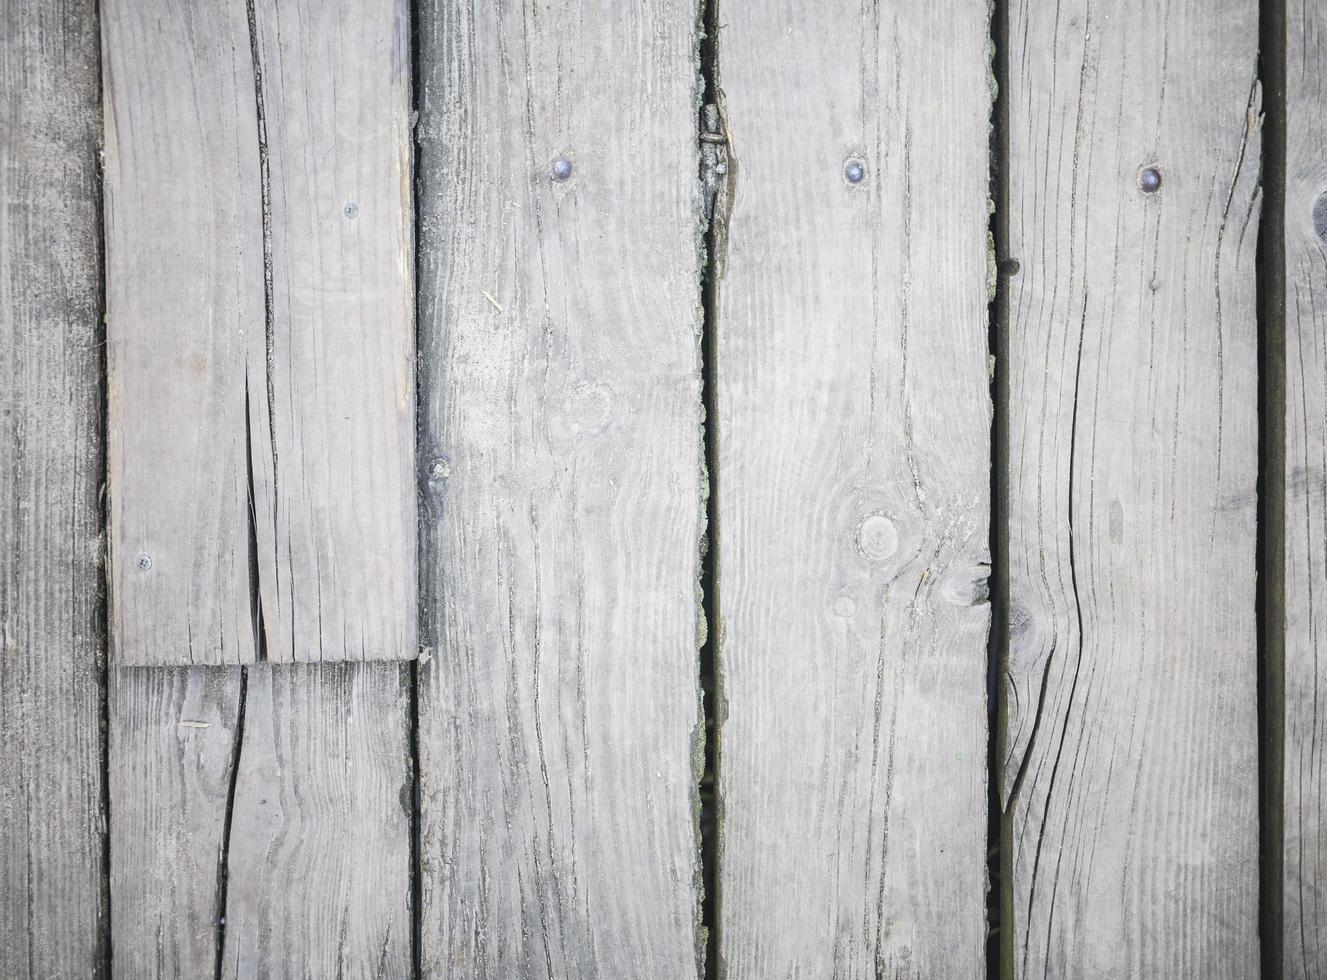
(319, 860)
(298, 860)
(185, 340)
(563, 493)
(52, 895)
(260, 331)
(1130, 748)
(1304, 854)
(173, 741)
(853, 483)
(338, 575)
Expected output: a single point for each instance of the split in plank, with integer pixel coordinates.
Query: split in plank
(298, 861)
(559, 333)
(260, 331)
(1130, 752)
(853, 491)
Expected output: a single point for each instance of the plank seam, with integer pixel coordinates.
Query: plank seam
(1269, 600)
(718, 171)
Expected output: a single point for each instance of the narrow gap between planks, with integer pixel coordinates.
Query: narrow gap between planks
(710, 671)
(999, 897)
(101, 628)
(1270, 592)
(416, 885)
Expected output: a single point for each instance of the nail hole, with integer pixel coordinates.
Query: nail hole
(1149, 180)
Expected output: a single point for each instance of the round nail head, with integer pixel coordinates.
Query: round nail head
(1149, 180)
(352, 209)
(561, 168)
(144, 562)
(854, 171)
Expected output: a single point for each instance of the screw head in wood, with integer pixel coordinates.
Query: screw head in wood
(439, 469)
(561, 169)
(854, 171)
(351, 210)
(144, 562)
(1149, 180)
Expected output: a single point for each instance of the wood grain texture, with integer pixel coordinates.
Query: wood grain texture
(260, 331)
(297, 861)
(1304, 885)
(173, 741)
(338, 570)
(184, 331)
(1130, 749)
(53, 920)
(853, 491)
(563, 489)
(319, 863)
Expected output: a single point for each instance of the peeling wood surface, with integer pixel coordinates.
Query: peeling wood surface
(853, 485)
(1130, 755)
(53, 920)
(260, 351)
(1304, 885)
(563, 494)
(267, 815)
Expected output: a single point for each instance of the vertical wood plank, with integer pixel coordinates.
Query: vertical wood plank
(563, 498)
(1130, 764)
(173, 740)
(338, 574)
(259, 270)
(1304, 857)
(853, 483)
(184, 328)
(269, 814)
(52, 892)
(319, 862)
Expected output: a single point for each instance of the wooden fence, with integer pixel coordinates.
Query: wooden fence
(567, 489)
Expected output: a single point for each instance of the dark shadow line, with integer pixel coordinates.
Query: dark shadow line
(1270, 594)
(999, 899)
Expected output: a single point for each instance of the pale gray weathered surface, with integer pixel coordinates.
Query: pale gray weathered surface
(337, 570)
(319, 864)
(853, 482)
(173, 732)
(260, 353)
(316, 864)
(52, 892)
(1304, 889)
(185, 337)
(1130, 766)
(563, 489)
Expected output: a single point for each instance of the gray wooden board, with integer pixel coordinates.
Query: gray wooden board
(184, 281)
(1304, 885)
(563, 493)
(52, 895)
(853, 491)
(316, 865)
(1130, 763)
(260, 355)
(172, 750)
